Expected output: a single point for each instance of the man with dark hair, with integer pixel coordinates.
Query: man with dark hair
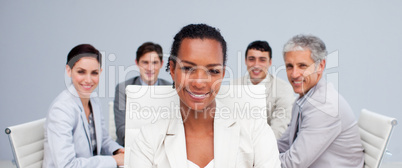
(149, 60)
(279, 93)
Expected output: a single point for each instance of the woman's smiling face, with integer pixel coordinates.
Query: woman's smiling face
(85, 75)
(198, 72)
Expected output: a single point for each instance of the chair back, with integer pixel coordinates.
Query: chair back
(26, 142)
(375, 132)
(112, 125)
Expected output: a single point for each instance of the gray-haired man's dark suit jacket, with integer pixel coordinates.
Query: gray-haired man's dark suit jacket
(120, 105)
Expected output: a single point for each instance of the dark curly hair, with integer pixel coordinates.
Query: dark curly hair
(195, 31)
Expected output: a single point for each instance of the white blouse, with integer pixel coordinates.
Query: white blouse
(193, 165)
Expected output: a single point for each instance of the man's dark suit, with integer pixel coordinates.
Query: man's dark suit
(120, 105)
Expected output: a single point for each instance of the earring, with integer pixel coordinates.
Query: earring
(173, 85)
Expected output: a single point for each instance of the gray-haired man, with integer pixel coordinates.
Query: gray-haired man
(323, 131)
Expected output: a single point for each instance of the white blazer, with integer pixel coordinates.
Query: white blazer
(237, 143)
(67, 136)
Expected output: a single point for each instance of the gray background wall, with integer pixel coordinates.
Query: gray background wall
(35, 37)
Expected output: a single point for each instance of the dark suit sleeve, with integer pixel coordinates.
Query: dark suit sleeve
(163, 82)
(120, 112)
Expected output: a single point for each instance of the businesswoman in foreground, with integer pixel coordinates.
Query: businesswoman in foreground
(75, 133)
(198, 138)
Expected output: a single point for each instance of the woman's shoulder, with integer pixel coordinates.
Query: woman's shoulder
(64, 98)
(64, 104)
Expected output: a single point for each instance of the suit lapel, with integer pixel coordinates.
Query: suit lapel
(84, 121)
(270, 87)
(270, 91)
(293, 123)
(159, 82)
(137, 81)
(175, 143)
(83, 117)
(98, 126)
(226, 141)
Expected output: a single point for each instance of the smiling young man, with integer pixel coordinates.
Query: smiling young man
(278, 92)
(149, 60)
(323, 131)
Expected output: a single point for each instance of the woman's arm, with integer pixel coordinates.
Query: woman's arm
(265, 148)
(141, 151)
(108, 145)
